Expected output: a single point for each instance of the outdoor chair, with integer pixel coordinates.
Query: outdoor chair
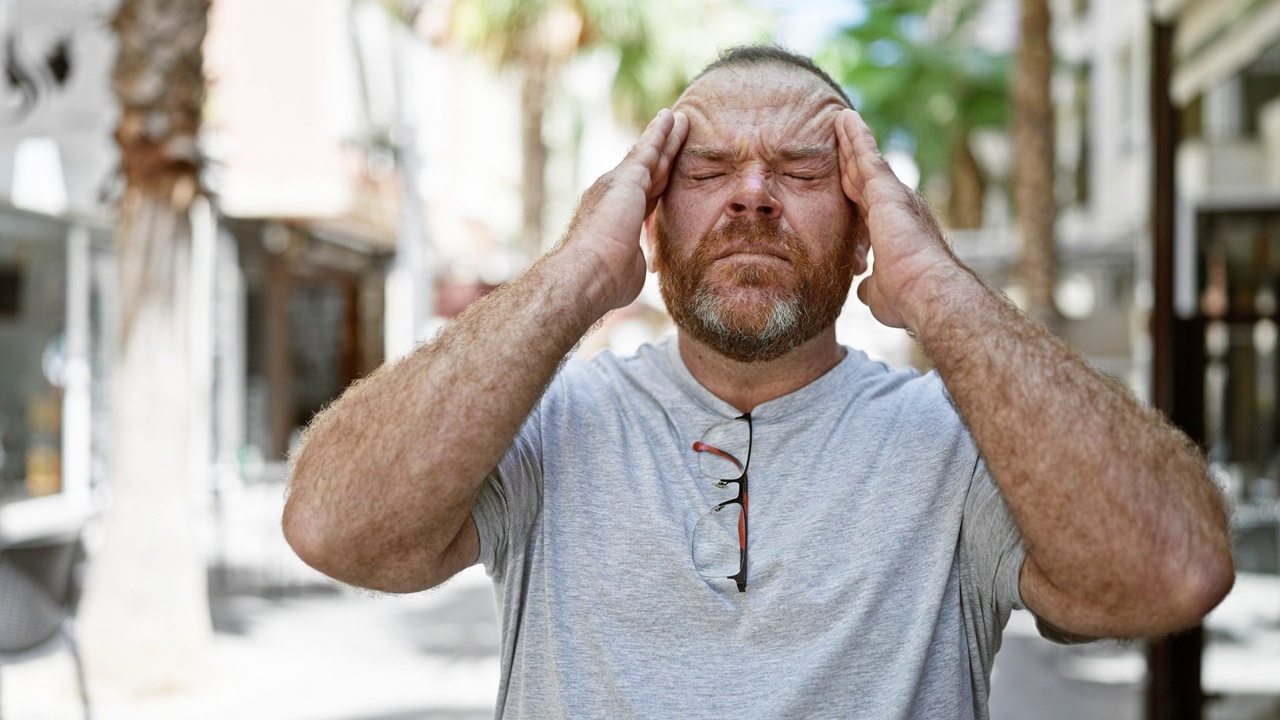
(39, 590)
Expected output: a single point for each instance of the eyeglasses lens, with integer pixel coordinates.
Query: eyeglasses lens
(720, 535)
(716, 549)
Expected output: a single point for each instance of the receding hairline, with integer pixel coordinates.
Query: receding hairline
(743, 56)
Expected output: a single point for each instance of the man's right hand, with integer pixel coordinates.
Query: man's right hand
(605, 230)
(382, 488)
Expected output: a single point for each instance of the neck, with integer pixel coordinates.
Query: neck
(746, 385)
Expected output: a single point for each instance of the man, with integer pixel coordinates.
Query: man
(892, 521)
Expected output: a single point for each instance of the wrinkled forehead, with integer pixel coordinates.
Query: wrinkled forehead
(772, 103)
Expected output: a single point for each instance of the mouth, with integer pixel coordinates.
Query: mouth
(752, 259)
(755, 253)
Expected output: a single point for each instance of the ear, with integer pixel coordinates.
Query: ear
(651, 240)
(861, 243)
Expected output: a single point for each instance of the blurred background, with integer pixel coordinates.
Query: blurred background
(214, 216)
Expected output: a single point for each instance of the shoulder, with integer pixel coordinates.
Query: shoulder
(608, 378)
(647, 366)
(875, 381)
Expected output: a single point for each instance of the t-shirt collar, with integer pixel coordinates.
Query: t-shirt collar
(792, 402)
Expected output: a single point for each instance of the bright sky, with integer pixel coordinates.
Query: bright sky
(805, 24)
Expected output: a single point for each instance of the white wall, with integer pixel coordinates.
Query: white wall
(79, 117)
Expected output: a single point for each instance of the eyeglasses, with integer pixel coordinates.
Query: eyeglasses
(720, 537)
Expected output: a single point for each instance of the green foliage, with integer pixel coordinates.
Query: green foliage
(508, 30)
(684, 36)
(922, 88)
(405, 11)
(496, 27)
(659, 43)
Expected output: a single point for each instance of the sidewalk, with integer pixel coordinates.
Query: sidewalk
(289, 644)
(318, 653)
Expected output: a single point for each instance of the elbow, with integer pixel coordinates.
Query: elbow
(1195, 588)
(331, 552)
(1213, 581)
(302, 523)
(353, 554)
(312, 534)
(305, 534)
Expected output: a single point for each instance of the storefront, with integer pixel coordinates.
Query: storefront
(1216, 239)
(313, 297)
(55, 290)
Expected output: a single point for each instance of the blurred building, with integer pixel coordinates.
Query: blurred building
(365, 171)
(1223, 65)
(310, 196)
(1169, 138)
(57, 164)
(1224, 82)
(310, 199)
(1101, 182)
(1168, 235)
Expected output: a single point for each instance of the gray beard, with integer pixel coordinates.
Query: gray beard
(779, 335)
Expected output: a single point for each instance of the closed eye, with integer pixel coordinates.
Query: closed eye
(796, 176)
(707, 176)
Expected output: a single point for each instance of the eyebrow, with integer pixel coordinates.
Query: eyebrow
(787, 152)
(706, 152)
(804, 152)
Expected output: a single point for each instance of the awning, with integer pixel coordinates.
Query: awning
(1215, 39)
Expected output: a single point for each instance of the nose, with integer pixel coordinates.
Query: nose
(752, 198)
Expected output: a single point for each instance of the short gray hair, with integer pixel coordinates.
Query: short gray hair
(771, 55)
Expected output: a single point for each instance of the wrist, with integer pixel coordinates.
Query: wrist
(942, 297)
(595, 284)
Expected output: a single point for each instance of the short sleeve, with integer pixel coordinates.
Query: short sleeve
(991, 556)
(509, 501)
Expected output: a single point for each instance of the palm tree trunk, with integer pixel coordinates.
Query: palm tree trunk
(145, 619)
(538, 72)
(964, 203)
(1034, 163)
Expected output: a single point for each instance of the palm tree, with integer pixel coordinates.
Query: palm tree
(682, 37)
(922, 84)
(1034, 161)
(924, 88)
(539, 37)
(659, 45)
(145, 620)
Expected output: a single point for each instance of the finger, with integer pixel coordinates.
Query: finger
(670, 150)
(850, 178)
(648, 149)
(870, 164)
(641, 163)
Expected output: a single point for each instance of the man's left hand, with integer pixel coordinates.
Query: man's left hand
(912, 260)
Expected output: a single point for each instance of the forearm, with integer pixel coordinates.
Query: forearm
(1125, 534)
(387, 475)
(382, 488)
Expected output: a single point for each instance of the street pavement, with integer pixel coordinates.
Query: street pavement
(307, 652)
(291, 645)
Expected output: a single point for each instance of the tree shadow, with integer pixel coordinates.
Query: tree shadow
(463, 627)
(237, 595)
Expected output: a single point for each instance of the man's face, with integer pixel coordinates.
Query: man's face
(756, 242)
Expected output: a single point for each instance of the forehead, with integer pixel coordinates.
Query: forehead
(769, 103)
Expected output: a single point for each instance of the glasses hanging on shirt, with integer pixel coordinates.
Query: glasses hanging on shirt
(720, 536)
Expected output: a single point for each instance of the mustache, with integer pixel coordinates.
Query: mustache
(742, 233)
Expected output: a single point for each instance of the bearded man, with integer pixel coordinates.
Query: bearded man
(892, 521)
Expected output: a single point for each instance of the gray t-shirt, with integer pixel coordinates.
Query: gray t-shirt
(883, 563)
